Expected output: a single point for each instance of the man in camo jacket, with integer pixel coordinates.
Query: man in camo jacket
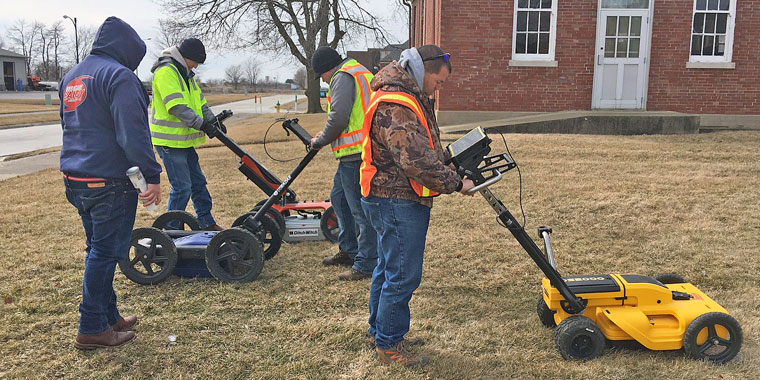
(402, 169)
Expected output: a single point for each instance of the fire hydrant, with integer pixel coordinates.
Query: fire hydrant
(277, 106)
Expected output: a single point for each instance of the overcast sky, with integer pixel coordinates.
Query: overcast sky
(143, 15)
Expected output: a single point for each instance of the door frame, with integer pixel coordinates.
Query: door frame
(600, 27)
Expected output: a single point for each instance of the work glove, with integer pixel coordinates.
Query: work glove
(209, 129)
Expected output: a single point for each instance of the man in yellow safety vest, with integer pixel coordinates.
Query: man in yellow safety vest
(179, 118)
(347, 99)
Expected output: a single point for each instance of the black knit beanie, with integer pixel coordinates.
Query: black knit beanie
(193, 49)
(324, 59)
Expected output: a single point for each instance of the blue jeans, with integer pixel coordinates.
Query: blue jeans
(108, 215)
(187, 181)
(345, 197)
(401, 227)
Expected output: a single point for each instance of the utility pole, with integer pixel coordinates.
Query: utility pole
(76, 35)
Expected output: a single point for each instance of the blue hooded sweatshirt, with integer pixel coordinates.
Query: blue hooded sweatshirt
(104, 109)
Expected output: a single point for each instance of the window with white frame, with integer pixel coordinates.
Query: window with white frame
(712, 32)
(535, 30)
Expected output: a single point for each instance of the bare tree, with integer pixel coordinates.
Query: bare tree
(299, 77)
(2, 42)
(252, 69)
(296, 26)
(56, 39)
(23, 35)
(169, 34)
(86, 38)
(234, 74)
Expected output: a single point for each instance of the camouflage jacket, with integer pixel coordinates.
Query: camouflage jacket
(400, 146)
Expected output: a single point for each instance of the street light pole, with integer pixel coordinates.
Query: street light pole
(76, 35)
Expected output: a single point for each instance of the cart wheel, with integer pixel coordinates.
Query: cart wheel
(269, 235)
(275, 215)
(669, 278)
(183, 218)
(545, 315)
(715, 336)
(329, 225)
(234, 255)
(578, 338)
(151, 258)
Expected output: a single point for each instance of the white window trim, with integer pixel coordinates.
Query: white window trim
(535, 59)
(715, 61)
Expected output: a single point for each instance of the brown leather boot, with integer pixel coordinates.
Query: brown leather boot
(341, 258)
(213, 227)
(106, 339)
(353, 275)
(125, 324)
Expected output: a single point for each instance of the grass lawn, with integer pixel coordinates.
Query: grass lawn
(6, 108)
(686, 204)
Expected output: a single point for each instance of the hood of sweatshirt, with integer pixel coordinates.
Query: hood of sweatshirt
(173, 53)
(394, 78)
(116, 39)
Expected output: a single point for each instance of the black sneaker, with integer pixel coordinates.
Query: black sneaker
(341, 258)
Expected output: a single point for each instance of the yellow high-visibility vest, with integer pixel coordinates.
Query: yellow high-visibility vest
(349, 142)
(169, 90)
(367, 169)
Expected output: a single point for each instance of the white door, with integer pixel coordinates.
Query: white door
(621, 64)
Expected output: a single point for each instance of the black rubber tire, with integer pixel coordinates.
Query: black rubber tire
(329, 225)
(545, 315)
(578, 338)
(275, 215)
(269, 235)
(151, 257)
(235, 255)
(669, 278)
(185, 218)
(713, 347)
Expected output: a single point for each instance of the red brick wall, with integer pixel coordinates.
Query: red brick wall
(673, 87)
(478, 33)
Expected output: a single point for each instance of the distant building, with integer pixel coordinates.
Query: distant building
(375, 59)
(14, 69)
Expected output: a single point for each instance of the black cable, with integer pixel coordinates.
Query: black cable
(519, 175)
(278, 120)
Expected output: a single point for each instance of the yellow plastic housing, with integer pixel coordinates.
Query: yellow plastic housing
(641, 311)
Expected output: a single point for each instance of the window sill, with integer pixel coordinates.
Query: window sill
(521, 63)
(710, 65)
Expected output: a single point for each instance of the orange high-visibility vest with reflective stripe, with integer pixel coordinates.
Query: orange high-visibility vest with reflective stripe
(368, 169)
(349, 142)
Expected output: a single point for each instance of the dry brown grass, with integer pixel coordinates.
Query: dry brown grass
(6, 108)
(33, 118)
(41, 102)
(642, 204)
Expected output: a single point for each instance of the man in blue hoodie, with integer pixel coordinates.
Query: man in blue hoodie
(104, 115)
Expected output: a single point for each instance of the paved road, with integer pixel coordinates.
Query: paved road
(27, 139)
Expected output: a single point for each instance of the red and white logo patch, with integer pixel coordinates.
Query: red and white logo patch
(75, 93)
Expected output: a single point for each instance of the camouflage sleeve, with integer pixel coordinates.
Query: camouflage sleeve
(409, 145)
